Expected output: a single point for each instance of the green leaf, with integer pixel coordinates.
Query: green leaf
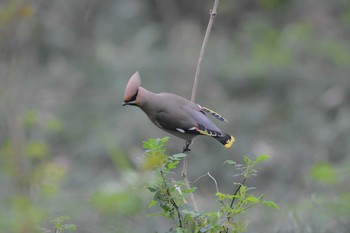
(252, 199)
(146, 145)
(173, 165)
(180, 230)
(154, 160)
(164, 140)
(151, 189)
(221, 196)
(262, 158)
(230, 162)
(191, 213)
(180, 155)
(191, 190)
(153, 203)
(247, 160)
(271, 204)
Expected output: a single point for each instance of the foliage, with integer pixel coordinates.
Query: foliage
(324, 172)
(60, 226)
(113, 199)
(36, 176)
(277, 69)
(170, 195)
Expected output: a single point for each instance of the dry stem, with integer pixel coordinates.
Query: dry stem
(213, 14)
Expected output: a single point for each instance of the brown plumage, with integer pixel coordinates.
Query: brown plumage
(175, 114)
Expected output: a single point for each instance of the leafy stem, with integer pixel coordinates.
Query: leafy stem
(170, 195)
(171, 199)
(237, 190)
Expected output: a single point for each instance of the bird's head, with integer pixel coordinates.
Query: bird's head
(131, 95)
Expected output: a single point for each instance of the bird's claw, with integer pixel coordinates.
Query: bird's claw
(186, 149)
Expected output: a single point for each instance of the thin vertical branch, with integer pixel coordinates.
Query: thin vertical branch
(213, 13)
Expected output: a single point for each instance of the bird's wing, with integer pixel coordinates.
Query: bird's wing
(204, 124)
(186, 117)
(188, 122)
(176, 121)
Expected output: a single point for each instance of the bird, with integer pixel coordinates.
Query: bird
(175, 114)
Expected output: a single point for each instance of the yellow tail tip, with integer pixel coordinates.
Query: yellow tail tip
(230, 142)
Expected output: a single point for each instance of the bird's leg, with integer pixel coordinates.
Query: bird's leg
(186, 148)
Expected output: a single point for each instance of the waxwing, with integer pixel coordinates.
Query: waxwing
(175, 114)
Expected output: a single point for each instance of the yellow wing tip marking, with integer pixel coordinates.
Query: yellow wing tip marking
(230, 142)
(204, 132)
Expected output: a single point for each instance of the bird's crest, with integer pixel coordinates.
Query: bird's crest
(132, 87)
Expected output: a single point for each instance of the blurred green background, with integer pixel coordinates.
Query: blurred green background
(278, 70)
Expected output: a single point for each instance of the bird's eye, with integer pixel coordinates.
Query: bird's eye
(133, 98)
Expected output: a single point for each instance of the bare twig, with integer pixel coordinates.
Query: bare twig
(213, 13)
(187, 184)
(212, 177)
(217, 188)
(204, 175)
(216, 183)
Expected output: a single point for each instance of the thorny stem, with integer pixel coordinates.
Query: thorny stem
(213, 13)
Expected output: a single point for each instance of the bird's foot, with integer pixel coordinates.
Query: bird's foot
(186, 148)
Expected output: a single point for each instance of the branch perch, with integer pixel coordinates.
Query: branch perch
(212, 13)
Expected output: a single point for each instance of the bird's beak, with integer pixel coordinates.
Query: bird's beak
(129, 103)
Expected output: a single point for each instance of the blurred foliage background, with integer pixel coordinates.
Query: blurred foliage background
(278, 70)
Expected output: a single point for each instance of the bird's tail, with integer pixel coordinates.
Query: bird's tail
(226, 140)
